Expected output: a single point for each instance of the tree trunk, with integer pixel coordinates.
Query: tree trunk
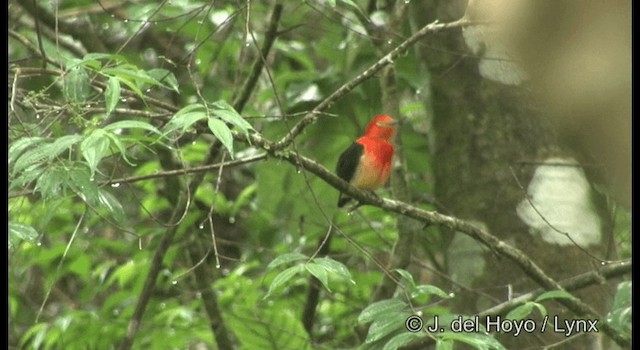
(490, 143)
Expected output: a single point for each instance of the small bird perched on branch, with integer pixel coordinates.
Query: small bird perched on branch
(366, 164)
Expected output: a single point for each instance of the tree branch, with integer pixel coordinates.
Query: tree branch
(576, 305)
(312, 116)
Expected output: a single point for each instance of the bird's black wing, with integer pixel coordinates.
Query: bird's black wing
(347, 165)
(348, 161)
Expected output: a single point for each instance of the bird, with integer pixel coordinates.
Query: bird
(366, 164)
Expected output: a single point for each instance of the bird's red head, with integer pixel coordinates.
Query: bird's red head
(382, 126)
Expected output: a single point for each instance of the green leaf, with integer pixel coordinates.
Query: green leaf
(132, 124)
(104, 56)
(385, 325)
(112, 94)
(320, 273)
(19, 233)
(444, 344)
(402, 339)
(555, 294)
(222, 133)
(133, 86)
(62, 144)
(425, 289)
(520, 312)
(243, 198)
(269, 329)
(334, 266)
(125, 274)
(29, 158)
(81, 265)
(620, 315)
(184, 119)
(94, 148)
(130, 72)
(286, 258)
(407, 276)
(115, 140)
(381, 308)
(29, 175)
(165, 77)
(477, 340)
(76, 86)
(21, 145)
(226, 112)
(43, 152)
(110, 202)
(51, 182)
(81, 183)
(283, 277)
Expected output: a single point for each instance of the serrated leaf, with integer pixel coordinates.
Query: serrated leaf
(426, 289)
(76, 86)
(221, 131)
(320, 273)
(190, 108)
(80, 182)
(183, 121)
(94, 148)
(478, 341)
(286, 258)
(520, 312)
(380, 308)
(620, 315)
(19, 232)
(407, 276)
(444, 344)
(30, 174)
(334, 266)
(81, 265)
(43, 152)
(133, 86)
(115, 140)
(110, 202)
(112, 94)
(29, 158)
(165, 77)
(555, 294)
(130, 72)
(402, 339)
(104, 56)
(62, 144)
(226, 112)
(283, 277)
(51, 182)
(131, 124)
(383, 326)
(243, 198)
(269, 329)
(21, 145)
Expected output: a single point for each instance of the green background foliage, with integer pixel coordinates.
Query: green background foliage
(88, 115)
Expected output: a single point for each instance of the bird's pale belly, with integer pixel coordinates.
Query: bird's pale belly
(370, 176)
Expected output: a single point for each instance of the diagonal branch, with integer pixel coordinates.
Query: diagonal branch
(387, 59)
(534, 272)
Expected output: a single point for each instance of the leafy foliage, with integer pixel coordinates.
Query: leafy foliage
(113, 111)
